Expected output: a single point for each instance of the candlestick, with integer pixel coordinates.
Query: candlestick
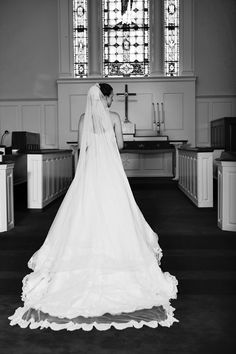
(154, 124)
(158, 119)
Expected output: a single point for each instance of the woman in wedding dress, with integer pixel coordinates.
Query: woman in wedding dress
(100, 263)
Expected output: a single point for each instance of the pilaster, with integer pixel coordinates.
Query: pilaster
(186, 48)
(156, 39)
(65, 38)
(95, 38)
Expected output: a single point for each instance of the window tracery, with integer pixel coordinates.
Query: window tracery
(126, 38)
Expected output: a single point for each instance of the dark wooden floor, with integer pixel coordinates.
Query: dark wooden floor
(196, 251)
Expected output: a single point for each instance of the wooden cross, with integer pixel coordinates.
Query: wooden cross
(126, 94)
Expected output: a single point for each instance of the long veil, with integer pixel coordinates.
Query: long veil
(96, 120)
(98, 266)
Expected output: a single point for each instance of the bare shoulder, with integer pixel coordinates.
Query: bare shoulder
(115, 118)
(81, 119)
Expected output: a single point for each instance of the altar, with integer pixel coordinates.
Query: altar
(146, 156)
(157, 115)
(148, 162)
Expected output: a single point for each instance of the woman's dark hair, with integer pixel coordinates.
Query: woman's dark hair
(106, 89)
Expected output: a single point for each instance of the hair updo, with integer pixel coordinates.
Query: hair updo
(106, 89)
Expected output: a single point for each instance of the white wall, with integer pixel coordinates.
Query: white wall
(215, 53)
(28, 49)
(215, 46)
(29, 65)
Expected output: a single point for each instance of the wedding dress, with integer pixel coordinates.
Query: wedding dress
(99, 264)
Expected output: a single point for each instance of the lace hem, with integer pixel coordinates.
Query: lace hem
(17, 318)
(126, 320)
(35, 286)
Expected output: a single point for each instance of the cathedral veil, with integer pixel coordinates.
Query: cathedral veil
(96, 120)
(99, 264)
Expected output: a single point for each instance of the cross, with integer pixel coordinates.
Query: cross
(126, 94)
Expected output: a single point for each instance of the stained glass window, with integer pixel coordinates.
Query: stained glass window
(125, 38)
(80, 38)
(171, 37)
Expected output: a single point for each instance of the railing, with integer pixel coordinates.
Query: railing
(196, 176)
(49, 176)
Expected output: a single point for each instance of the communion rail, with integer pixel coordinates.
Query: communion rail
(196, 175)
(49, 175)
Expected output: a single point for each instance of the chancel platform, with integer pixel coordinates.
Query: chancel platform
(146, 156)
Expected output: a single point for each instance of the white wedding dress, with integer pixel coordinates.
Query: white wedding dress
(99, 265)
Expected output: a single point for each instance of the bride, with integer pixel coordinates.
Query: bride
(100, 263)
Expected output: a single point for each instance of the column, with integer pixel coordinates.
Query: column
(65, 42)
(186, 47)
(95, 38)
(156, 40)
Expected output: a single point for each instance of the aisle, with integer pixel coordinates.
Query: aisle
(200, 255)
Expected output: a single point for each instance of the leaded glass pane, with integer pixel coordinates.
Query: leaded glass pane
(125, 38)
(171, 28)
(80, 38)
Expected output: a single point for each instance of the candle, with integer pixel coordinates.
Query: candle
(154, 113)
(154, 124)
(158, 118)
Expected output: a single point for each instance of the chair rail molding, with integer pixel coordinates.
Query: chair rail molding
(210, 107)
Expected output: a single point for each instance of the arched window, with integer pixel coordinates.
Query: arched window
(80, 38)
(125, 38)
(119, 38)
(171, 37)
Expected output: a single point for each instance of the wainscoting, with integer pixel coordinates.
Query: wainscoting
(39, 116)
(208, 108)
(168, 101)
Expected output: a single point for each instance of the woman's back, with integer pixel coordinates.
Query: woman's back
(98, 266)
